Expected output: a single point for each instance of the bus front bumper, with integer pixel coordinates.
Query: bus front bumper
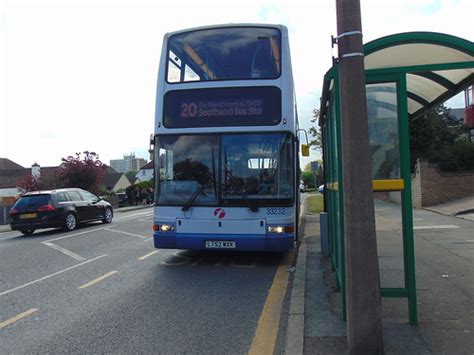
(241, 242)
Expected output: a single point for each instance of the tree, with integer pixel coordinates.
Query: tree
(308, 178)
(28, 183)
(307, 167)
(429, 134)
(86, 172)
(315, 132)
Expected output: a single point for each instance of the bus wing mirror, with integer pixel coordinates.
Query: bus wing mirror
(305, 150)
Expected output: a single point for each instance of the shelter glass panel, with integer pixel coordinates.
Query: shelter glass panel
(389, 231)
(382, 109)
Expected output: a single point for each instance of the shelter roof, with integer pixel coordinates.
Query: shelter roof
(437, 66)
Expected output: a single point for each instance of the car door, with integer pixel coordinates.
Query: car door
(83, 213)
(94, 210)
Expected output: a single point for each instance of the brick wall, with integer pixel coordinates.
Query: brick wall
(437, 187)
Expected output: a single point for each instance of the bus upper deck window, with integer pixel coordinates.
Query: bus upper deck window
(229, 53)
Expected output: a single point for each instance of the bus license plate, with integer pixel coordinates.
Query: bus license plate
(224, 244)
(28, 215)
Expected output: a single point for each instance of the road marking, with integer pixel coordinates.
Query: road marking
(133, 215)
(147, 255)
(93, 282)
(50, 275)
(127, 233)
(147, 219)
(76, 234)
(267, 330)
(440, 226)
(17, 317)
(65, 251)
(251, 264)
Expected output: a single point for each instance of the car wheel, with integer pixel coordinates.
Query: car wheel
(70, 222)
(108, 215)
(27, 231)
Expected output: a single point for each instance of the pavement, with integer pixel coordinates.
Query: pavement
(445, 292)
(463, 208)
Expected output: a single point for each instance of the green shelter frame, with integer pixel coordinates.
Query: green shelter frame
(406, 74)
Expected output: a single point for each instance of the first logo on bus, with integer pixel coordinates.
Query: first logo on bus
(219, 212)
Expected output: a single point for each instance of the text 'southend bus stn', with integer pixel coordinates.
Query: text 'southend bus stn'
(225, 145)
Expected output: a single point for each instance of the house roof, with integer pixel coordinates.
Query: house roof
(111, 179)
(111, 170)
(7, 164)
(11, 173)
(9, 177)
(149, 165)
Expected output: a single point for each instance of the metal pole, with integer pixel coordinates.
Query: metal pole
(364, 324)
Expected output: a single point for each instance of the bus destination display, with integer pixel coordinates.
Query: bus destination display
(246, 106)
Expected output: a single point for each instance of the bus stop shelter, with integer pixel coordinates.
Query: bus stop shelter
(406, 75)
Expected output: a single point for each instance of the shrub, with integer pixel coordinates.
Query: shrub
(455, 158)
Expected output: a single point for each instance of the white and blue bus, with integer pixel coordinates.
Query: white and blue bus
(225, 144)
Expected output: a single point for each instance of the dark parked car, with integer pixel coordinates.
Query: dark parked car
(62, 208)
(122, 199)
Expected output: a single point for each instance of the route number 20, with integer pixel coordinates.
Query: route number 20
(188, 109)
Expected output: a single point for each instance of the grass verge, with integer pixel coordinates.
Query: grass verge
(315, 203)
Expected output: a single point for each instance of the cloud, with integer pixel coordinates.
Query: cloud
(82, 75)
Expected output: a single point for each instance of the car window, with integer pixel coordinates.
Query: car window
(87, 196)
(62, 197)
(74, 195)
(32, 201)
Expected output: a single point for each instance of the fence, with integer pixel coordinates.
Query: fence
(4, 214)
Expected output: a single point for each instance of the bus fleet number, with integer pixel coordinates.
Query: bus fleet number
(276, 211)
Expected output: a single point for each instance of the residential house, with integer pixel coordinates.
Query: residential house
(10, 174)
(146, 173)
(114, 181)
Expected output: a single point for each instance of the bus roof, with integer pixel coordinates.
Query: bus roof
(228, 25)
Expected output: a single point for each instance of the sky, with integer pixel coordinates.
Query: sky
(81, 75)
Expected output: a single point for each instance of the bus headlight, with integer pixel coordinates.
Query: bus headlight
(164, 227)
(280, 229)
(275, 229)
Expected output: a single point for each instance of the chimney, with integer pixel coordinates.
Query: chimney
(35, 170)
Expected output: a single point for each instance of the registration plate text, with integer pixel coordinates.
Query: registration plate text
(28, 215)
(223, 244)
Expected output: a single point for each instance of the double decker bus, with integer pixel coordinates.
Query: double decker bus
(226, 144)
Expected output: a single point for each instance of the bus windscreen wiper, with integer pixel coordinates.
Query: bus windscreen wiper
(239, 190)
(245, 197)
(190, 201)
